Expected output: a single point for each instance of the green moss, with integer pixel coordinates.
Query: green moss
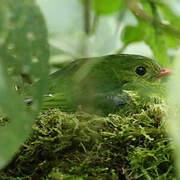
(82, 146)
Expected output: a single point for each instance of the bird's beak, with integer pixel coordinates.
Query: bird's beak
(164, 72)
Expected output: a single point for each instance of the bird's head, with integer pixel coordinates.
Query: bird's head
(137, 68)
(107, 73)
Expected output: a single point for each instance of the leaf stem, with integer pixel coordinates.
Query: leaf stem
(95, 23)
(120, 51)
(87, 17)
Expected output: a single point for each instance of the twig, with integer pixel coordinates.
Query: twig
(87, 16)
(95, 23)
(120, 19)
(146, 17)
(120, 51)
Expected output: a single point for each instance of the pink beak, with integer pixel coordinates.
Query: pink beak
(164, 72)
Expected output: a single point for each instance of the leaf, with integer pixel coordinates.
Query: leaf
(174, 21)
(132, 34)
(23, 51)
(154, 37)
(105, 7)
(4, 22)
(173, 114)
(169, 15)
(171, 41)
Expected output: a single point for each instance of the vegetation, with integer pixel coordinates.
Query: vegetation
(131, 144)
(85, 146)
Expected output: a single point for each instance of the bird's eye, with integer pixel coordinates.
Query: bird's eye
(141, 70)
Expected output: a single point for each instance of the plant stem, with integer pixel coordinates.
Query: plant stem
(120, 51)
(133, 6)
(95, 23)
(87, 17)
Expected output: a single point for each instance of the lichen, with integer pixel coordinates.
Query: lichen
(87, 146)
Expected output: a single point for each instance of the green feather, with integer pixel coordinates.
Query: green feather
(97, 83)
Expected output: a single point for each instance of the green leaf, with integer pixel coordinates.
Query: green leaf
(4, 21)
(156, 42)
(169, 15)
(154, 36)
(171, 41)
(23, 52)
(104, 7)
(174, 20)
(132, 34)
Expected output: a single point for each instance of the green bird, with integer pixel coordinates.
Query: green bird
(97, 83)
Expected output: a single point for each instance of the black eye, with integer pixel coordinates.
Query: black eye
(141, 70)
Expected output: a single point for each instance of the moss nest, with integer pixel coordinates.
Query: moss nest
(85, 146)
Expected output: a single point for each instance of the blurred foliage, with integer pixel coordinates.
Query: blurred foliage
(23, 59)
(173, 116)
(106, 6)
(107, 27)
(96, 28)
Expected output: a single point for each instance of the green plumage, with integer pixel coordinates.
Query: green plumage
(98, 83)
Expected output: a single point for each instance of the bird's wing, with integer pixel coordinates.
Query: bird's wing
(59, 100)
